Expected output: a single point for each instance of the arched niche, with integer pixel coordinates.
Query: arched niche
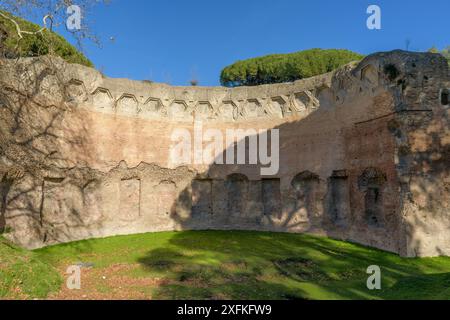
(371, 183)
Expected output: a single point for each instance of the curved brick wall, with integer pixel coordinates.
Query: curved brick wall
(88, 156)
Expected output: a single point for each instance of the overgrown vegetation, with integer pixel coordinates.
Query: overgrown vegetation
(219, 265)
(31, 45)
(278, 68)
(445, 52)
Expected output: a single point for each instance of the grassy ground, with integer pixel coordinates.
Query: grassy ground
(23, 275)
(219, 265)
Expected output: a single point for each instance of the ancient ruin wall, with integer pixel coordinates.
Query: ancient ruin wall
(363, 155)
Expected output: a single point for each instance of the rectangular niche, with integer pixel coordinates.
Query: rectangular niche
(201, 197)
(373, 206)
(339, 206)
(271, 197)
(54, 207)
(166, 195)
(4, 190)
(237, 191)
(130, 196)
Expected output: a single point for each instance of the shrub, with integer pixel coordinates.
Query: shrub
(445, 52)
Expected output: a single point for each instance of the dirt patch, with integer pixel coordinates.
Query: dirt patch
(110, 283)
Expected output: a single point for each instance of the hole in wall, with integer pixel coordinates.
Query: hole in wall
(391, 71)
(54, 180)
(445, 97)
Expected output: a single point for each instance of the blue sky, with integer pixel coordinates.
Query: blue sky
(176, 40)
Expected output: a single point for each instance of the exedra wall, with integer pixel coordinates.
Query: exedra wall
(363, 154)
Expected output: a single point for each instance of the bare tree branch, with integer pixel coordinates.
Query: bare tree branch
(20, 31)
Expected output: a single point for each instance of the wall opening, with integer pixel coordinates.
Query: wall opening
(271, 197)
(306, 186)
(445, 97)
(201, 197)
(237, 189)
(339, 200)
(371, 183)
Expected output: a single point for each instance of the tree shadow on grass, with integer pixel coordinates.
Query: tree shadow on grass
(233, 278)
(260, 265)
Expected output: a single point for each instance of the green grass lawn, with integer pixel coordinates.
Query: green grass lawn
(220, 265)
(23, 274)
